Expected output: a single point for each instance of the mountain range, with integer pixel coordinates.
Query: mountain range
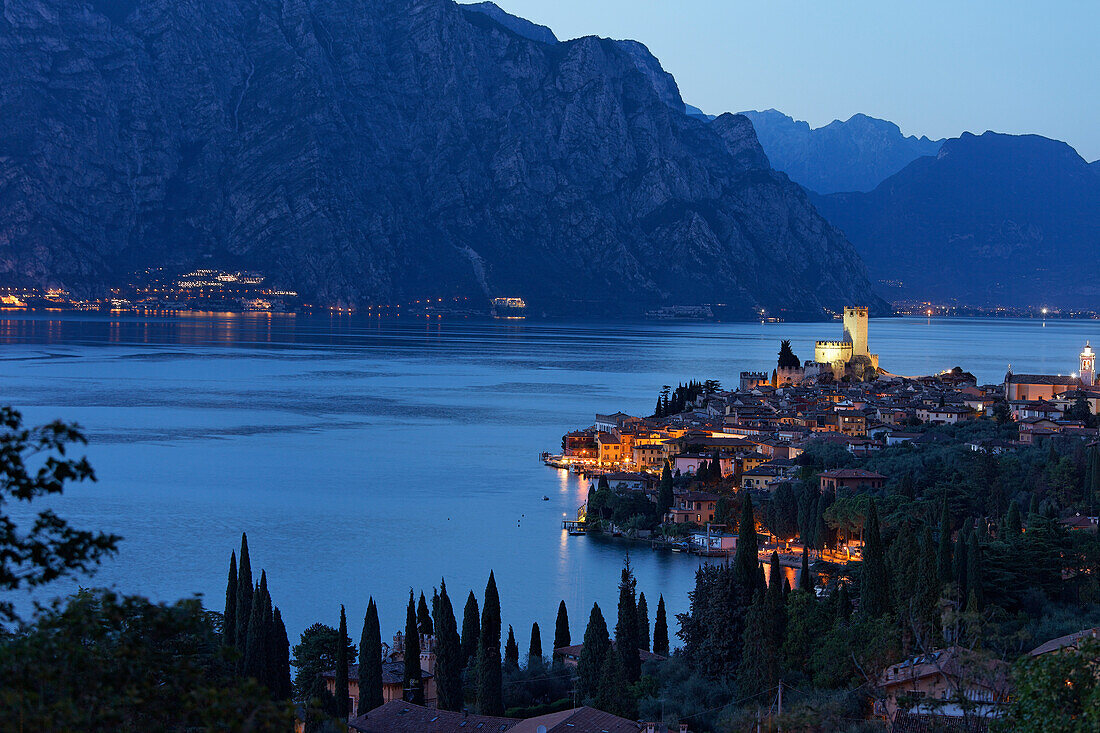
(854, 155)
(991, 219)
(385, 150)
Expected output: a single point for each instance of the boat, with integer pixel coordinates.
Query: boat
(545, 498)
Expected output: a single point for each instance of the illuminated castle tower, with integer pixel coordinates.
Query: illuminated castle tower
(855, 329)
(1088, 366)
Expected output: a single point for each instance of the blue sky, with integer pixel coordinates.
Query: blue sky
(935, 68)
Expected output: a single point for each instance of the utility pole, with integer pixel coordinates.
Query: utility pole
(779, 723)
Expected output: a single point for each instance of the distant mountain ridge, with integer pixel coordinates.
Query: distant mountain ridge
(383, 150)
(854, 155)
(992, 219)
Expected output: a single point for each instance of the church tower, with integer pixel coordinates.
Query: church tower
(1088, 366)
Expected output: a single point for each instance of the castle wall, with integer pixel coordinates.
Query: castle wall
(831, 352)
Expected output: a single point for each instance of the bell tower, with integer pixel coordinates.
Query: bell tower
(1088, 366)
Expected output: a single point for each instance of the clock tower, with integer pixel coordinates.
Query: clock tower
(1088, 366)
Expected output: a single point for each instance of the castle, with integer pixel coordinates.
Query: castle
(847, 357)
(851, 352)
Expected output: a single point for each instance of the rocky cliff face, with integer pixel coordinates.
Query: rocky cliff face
(1008, 220)
(386, 149)
(854, 155)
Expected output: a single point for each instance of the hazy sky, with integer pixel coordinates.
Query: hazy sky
(935, 68)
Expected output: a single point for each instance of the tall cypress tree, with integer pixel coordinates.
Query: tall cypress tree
(805, 579)
(943, 556)
(561, 627)
(924, 602)
(255, 651)
(873, 588)
(343, 693)
(534, 652)
(424, 617)
(643, 623)
(1014, 525)
(759, 669)
(612, 689)
(270, 653)
(490, 683)
(664, 491)
(370, 661)
(448, 653)
(596, 647)
(660, 629)
(244, 597)
(843, 603)
(974, 572)
(511, 651)
(229, 620)
(960, 567)
(626, 627)
(745, 558)
(281, 673)
(471, 629)
(413, 687)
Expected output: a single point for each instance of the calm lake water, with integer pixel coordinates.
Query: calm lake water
(366, 457)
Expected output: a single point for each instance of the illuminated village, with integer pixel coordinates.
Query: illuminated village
(756, 432)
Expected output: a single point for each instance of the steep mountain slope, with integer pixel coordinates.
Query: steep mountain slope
(854, 155)
(383, 150)
(992, 219)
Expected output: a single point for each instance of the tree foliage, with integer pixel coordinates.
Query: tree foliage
(34, 464)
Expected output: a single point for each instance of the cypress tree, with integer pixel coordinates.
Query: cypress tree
(471, 629)
(758, 670)
(342, 693)
(1013, 523)
(596, 647)
(270, 653)
(534, 652)
(664, 491)
(424, 618)
(229, 620)
(626, 627)
(961, 562)
(775, 579)
(805, 579)
(612, 690)
(511, 651)
(660, 629)
(370, 661)
(943, 556)
(413, 687)
(490, 694)
(448, 651)
(244, 597)
(974, 571)
(843, 603)
(561, 627)
(281, 673)
(744, 561)
(255, 652)
(873, 587)
(927, 596)
(643, 623)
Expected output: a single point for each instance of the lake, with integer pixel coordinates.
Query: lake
(364, 457)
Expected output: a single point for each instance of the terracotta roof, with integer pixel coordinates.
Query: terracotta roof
(581, 720)
(575, 651)
(1042, 379)
(1063, 641)
(842, 473)
(397, 716)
